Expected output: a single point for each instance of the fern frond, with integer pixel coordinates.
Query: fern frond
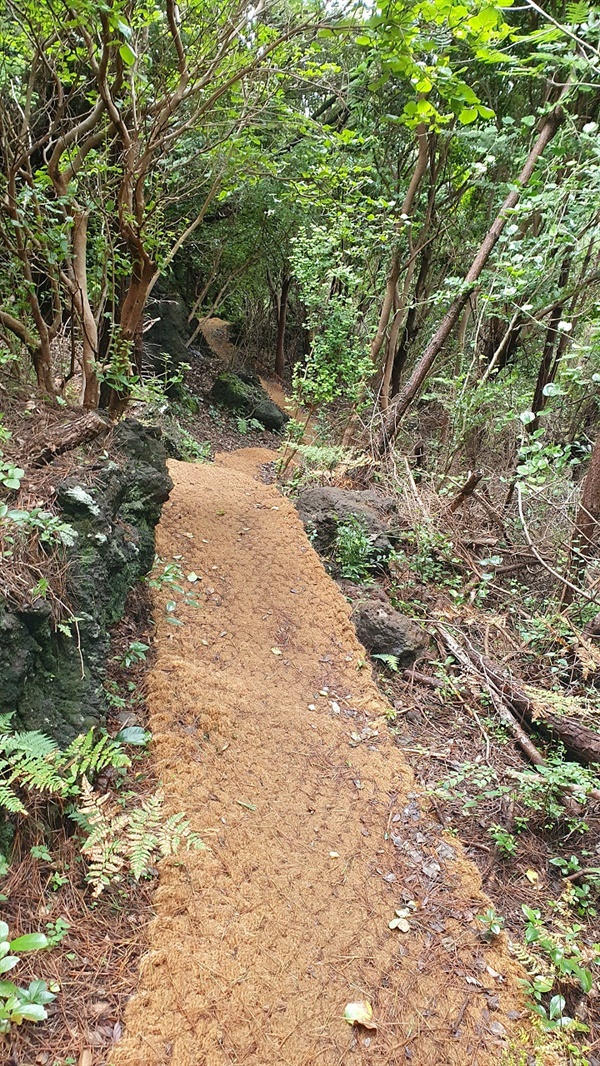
(9, 799)
(87, 755)
(391, 661)
(577, 12)
(31, 743)
(128, 841)
(530, 962)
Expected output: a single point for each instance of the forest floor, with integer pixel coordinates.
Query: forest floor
(271, 735)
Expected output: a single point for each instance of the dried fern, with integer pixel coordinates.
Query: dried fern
(120, 842)
(531, 963)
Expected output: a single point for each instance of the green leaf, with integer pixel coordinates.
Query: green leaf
(467, 115)
(133, 734)
(127, 54)
(29, 942)
(8, 963)
(3, 931)
(33, 1012)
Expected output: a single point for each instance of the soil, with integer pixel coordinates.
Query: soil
(270, 734)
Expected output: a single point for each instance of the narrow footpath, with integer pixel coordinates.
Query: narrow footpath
(271, 735)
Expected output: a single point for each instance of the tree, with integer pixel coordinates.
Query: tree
(105, 115)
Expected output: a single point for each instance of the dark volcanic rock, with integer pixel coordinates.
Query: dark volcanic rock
(384, 631)
(242, 392)
(164, 341)
(53, 681)
(322, 508)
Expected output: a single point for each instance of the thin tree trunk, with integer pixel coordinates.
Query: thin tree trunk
(414, 319)
(281, 317)
(549, 364)
(89, 328)
(394, 274)
(585, 533)
(392, 344)
(402, 402)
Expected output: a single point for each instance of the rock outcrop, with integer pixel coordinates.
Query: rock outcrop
(385, 631)
(53, 680)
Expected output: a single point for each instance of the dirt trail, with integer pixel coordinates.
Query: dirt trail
(216, 333)
(268, 732)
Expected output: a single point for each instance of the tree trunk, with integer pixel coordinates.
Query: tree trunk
(586, 524)
(281, 317)
(402, 402)
(394, 274)
(549, 364)
(414, 319)
(89, 328)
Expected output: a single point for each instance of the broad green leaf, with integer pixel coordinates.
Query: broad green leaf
(29, 942)
(127, 54)
(33, 1012)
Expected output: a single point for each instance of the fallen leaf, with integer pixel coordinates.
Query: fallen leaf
(85, 1059)
(248, 806)
(533, 876)
(334, 854)
(276, 651)
(192, 577)
(400, 924)
(360, 1013)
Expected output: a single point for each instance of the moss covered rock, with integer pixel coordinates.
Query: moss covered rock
(242, 392)
(53, 680)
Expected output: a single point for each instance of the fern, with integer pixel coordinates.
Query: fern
(8, 797)
(87, 755)
(391, 661)
(577, 13)
(120, 842)
(116, 842)
(33, 762)
(531, 963)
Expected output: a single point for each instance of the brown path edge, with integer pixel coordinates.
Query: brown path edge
(259, 943)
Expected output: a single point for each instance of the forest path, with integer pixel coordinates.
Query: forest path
(216, 333)
(269, 734)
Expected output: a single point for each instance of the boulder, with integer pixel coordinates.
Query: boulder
(323, 507)
(384, 631)
(243, 393)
